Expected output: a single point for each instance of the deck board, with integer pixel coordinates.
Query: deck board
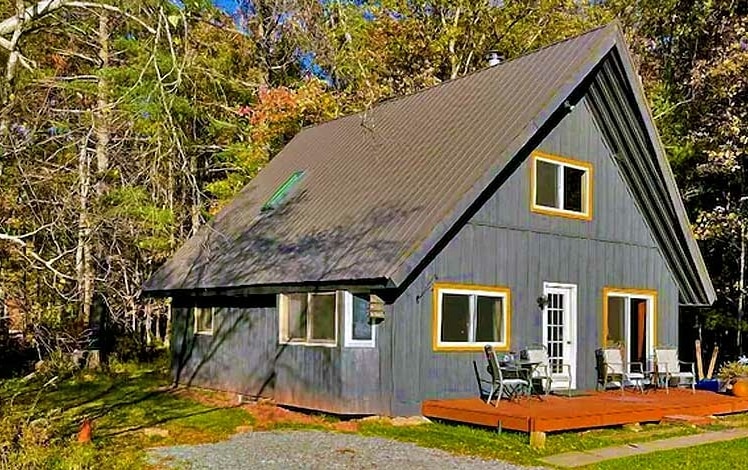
(602, 409)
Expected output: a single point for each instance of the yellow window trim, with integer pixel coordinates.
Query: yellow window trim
(587, 214)
(468, 288)
(608, 290)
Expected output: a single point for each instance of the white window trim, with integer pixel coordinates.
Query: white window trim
(586, 200)
(212, 321)
(473, 293)
(348, 340)
(283, 322)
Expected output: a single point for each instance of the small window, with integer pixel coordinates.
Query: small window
(309, 318)
(204, 317)
(468, 317)
(359, 329)
(561, 186)
(281, 194)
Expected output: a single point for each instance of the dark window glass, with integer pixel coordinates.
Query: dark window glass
(361, 324)
(297, 314)
(322, 324)
(574, 189)
(546, 184)
(455, 317)
(489, 320)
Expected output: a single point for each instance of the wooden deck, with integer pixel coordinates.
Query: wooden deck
(589, 411)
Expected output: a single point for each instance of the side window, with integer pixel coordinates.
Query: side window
(561, 186)
(360, 331)
(309, 318)
(204, 318)
(469, 317)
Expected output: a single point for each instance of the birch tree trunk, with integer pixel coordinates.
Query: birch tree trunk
(83, 250)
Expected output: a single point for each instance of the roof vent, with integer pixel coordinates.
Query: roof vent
(494, 57)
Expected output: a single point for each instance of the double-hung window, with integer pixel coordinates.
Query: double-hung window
(360, 329)
(561, 186)
(469, 317)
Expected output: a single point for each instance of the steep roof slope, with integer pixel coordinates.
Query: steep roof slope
(381, 188)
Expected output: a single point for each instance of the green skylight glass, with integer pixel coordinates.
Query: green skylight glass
(282, 192)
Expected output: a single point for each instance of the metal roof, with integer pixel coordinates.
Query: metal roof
(382, 187)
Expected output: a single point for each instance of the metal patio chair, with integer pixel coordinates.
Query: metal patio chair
(669, 367)
(543, 371)
(510, 386)
(612, 369)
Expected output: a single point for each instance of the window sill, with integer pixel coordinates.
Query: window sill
(561, 213)
(203, 333)
(309, 344)
(360, 344)
(468, 347)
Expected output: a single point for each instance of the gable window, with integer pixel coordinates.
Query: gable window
(309, 318)
(360, 330)
(204, 317)
(561, 186)
(469, 317)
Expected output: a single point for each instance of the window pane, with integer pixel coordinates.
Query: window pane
(322, 324)
(361, 324)
(489, 322)
(574, 189)
(616, 321)
(455, 317)
(203, 320)
(297, 313)
(546, 184)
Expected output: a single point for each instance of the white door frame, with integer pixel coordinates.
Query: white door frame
(627, 314)
(570, 323)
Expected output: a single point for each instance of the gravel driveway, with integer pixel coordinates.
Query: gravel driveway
(316, 450)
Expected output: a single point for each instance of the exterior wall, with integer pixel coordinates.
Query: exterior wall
(505, 244)
(243, 356)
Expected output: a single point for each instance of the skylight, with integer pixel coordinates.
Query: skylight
(281, 194)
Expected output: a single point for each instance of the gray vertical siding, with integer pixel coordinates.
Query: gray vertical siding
(244, 356)
(505, 244)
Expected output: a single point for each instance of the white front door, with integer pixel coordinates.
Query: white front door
(560, 332)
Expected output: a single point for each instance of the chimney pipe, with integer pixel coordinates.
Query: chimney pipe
(494, 57)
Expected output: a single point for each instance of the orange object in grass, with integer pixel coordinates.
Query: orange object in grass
(84, 435)
(740, 388)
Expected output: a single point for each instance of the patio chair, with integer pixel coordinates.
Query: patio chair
(543, 372)
(500, 386)
(612, 368)
(669, 367)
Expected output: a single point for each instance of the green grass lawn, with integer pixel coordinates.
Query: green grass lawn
(722, 455)
(38, 427)
(44, 421)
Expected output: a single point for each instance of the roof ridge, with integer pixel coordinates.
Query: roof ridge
(393, 99)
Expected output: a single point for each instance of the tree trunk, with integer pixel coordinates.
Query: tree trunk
(10, 68)
(196, 206)
(148, 323)
(101, 113)
(83, 249)
(741, 289)
(167, 330)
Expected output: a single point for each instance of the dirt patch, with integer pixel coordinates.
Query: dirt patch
(266, 414)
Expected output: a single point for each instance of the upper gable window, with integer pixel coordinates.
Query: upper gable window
(561, 186)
